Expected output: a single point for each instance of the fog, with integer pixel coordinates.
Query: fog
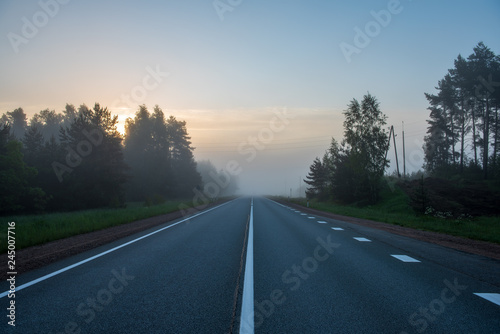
(273, 155)
(261, 85)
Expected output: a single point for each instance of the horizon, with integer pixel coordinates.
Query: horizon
(226, 72)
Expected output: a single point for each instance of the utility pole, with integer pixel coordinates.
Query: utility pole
(391, 132)
(395, 149)
(404, 154)
(388, 142)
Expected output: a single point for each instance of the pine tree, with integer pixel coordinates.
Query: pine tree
(317, 179)
(182, 158)
(160, 155)
(436, 143)
(94, 154)
(17, 193)
(17, 122)
(482, 62)
(460, 74)
(465, 109)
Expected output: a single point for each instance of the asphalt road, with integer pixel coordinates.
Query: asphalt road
(303, 274)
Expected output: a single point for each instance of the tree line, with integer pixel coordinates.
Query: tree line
(464, 129)
(77, 159)
(463, 135)
(351, 171)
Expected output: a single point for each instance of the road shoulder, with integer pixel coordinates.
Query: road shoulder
(35, 257)
(471, 246)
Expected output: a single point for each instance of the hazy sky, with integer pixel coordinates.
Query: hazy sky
(227, 67)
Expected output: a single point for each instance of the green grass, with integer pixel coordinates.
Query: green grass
(394, 209)
(39, 229)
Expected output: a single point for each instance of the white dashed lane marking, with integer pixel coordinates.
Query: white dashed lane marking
(363, 239)
(405, 258)
(492, 297)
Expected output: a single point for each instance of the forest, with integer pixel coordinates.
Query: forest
(77, 160)
(461, 147)
(463, 132)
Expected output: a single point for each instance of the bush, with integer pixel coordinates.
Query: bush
(156, 199)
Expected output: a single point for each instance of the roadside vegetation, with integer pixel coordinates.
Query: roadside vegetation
(395, 207)
(34, 230)
(458, 190)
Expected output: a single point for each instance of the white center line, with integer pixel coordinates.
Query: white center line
(363, 239)
(311, 217)
(405, 258)
(321, 222)
(337, 228)
(43, 278)
(492, 297)
(247, 324)
(303, 214)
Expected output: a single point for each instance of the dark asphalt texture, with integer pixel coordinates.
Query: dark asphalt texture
(360, 288)
(308, 278)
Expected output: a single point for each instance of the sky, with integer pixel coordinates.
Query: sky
(230, 67)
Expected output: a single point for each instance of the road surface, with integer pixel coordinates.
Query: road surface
(257, 266)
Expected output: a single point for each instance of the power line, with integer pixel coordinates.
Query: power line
(274, 145)
(278, 141)
(265, 149)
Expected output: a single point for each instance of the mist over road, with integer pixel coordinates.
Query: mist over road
(307, 274)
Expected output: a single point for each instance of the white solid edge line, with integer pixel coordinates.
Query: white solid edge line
(492, 297)
(57, 272)
(247, 324)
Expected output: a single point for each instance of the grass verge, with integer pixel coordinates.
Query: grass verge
(34, 230)
(394, 209)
